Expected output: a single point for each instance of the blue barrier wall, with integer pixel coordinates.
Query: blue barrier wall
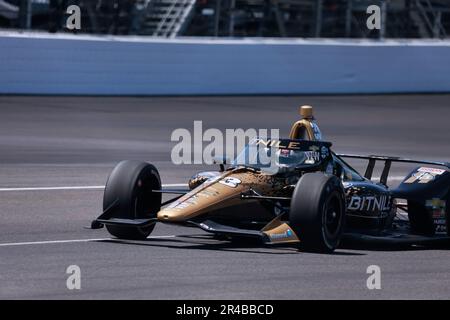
(67, 64)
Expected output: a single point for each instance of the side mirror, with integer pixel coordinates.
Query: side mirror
(221, 161)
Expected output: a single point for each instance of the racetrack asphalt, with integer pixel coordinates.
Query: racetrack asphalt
(76, 141)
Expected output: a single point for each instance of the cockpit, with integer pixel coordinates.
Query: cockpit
(281, 156)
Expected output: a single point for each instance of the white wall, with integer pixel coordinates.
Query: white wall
(65, 64)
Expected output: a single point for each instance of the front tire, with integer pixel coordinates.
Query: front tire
(131, 184)
(317, 213)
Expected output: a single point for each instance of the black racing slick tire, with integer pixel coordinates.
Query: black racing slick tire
(317, 213)
(129, 190)
(420, 220)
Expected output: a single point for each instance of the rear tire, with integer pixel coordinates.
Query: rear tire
(317, 213)
(131, 184)
(420, 220)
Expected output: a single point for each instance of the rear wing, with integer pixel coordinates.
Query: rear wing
(387, 164)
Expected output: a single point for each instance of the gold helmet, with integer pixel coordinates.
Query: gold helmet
(305, 128)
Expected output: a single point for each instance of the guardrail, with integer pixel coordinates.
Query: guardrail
(90, 65)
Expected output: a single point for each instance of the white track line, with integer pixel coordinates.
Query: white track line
(53, 188)
(170, 185)
(11, 244)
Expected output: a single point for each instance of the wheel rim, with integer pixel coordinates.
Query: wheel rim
(145, 201)
(332, 216)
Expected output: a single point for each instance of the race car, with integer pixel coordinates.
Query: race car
(305, 194)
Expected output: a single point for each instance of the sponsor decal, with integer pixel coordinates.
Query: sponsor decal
(276, 209)
(316, 130)
(370, 203)
(179, 205)
(441, 228)
(285, 153)
(324, 152)
(210, 192)
(284, 235)
(230, 182)
(329, 169)
(183, 202)
(437, 208)
(315, 154)
(280, 144)
(204, 226)
(347, 184)
(312, 157)
(424, 175)
(213, 179)
(438, 213)
(431, 170)
(209, 182)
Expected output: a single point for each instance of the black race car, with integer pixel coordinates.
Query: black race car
(307, 195)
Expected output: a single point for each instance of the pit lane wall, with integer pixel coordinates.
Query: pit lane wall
(42, 63)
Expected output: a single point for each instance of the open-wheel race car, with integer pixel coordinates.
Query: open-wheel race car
(305, 194)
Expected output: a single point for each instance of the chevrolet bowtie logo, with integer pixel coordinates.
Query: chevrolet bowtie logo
(436, 203)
